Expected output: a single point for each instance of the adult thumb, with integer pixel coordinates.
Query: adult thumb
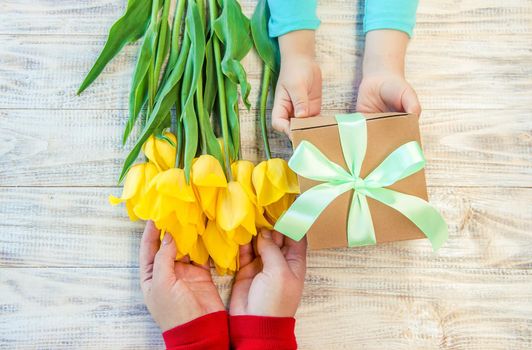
(270, 253)
(410, 101)
(163, 266)
(299, 97)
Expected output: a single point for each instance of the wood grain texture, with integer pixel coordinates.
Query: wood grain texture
(454, 71)
(68, 260)
(76, 227)
(83, 148)
(367, 308)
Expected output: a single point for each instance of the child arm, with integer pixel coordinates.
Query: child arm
(298, 91)
(388, 26)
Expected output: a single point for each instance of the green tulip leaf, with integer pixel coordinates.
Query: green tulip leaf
(128, 28)
(232, 27)
(267, 48)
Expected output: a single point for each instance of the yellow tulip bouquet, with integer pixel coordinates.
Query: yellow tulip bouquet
(184, 95)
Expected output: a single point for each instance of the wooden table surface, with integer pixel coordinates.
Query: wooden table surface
(68, 261)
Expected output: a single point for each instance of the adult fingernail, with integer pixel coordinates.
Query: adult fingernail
(167, 238)
(266, 234)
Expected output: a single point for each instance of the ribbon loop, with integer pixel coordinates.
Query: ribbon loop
(403, 162)
(309, 162)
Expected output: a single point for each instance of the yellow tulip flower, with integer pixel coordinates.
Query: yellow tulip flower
(276, 186)
(171, 203)
(136, 183)
(160, 151)
(208, 178)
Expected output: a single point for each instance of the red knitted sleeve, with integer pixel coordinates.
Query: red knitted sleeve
(261, 332)
(205, 332)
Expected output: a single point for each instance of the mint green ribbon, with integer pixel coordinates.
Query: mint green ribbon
(309, 162)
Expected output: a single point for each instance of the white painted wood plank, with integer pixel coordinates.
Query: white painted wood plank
(76, 227)
(83, 148)
(369, 308)
(449, 71)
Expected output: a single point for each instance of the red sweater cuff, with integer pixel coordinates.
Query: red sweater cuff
(262, 332)
(206, 332)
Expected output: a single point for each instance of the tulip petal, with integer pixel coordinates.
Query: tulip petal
(207, 172)
(260, 219)
(207, 198)
(150, 152)
(221, 249)
(114, 200)
(232, 206)
(185, 238)
(149, 174)
(172, 183)
(242, 171)
(166, 152)
(275, 210)
(249, 223)
(207, 178)
(134, 179)
(240, 235)
(130, 211)
(198, 253)
(281, 176)
(148, 205)
(160, 152)
(266, 192)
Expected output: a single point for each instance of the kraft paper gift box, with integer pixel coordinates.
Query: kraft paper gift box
(386, 132)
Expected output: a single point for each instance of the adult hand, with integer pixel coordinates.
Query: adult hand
(175, 292)
(270, 283)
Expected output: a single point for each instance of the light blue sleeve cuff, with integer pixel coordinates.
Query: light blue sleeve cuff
(390, 14)
(289, 15)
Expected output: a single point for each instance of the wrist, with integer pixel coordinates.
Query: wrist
(297, 43)
(384, 53)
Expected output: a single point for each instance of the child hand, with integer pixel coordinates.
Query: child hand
(387, 93)
(175, 292)
(298, 92)
(384, 87)
(270, 283)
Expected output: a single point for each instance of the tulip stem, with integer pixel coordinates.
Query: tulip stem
(199, 91)
(152, 84)
(178, 136)
(264, 90)
(201, 115)
(221, 89)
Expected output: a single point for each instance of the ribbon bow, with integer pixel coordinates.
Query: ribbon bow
(309, 162)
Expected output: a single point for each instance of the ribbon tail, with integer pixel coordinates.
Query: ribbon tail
(298, 219)
(360, 231)
(417, 210)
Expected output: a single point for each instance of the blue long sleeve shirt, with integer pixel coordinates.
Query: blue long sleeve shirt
(290, 15)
